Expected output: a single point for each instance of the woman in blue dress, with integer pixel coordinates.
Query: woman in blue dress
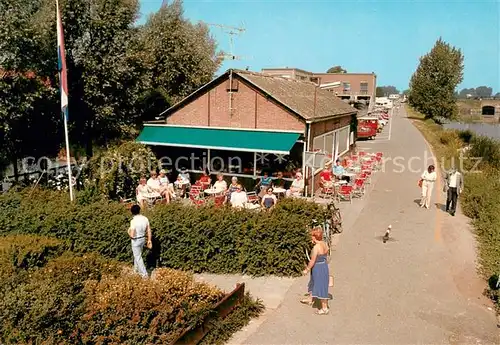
(318, 266)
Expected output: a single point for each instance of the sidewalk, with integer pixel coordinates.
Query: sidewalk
(419, 288)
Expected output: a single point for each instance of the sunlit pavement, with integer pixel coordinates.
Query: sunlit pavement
(418, 288)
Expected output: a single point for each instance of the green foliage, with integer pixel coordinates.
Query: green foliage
(45, 308)
(73, 299)
(118, 72)
(223, 329)
(205, 239)
(487, 148)
(466, 136)
(116, 171)
(131, 310)
(336, 69)
(385, 91)
(433, 84)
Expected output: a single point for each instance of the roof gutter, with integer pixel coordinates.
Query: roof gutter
(330, 117)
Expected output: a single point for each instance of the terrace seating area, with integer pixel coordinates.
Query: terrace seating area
(353, 176)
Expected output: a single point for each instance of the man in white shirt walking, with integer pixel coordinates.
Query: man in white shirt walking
(140, 234)
(453, 187)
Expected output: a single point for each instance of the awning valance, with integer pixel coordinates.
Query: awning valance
(219, 138)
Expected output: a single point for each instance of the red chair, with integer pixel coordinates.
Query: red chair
(327, 192)
(196, 200)
(379, 154)
(359, 187)
(345, 193)
(253, 198)
(219, 200)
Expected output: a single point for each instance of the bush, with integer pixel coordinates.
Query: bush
(131, 310)
(46, 308)
(488, 149)
(205, 239)
(89, 300)
(116, 171)
(466, 135)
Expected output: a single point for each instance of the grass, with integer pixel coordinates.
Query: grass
(445, 144)
(480, 200)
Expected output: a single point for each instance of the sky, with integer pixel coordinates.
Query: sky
(385, 37)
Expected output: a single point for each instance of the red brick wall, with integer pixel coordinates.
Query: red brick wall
(250, 110)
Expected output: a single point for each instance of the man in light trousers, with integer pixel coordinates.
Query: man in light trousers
(140, 234)
(454, 185)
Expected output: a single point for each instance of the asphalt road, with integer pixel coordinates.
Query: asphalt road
(419, 288)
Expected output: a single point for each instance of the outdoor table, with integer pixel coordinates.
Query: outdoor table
(213, 191)
(341, 182)
(355, 169)
(279, 191)
(349, 174)
(367, 158)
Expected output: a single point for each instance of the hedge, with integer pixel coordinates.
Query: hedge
(204, 239)
(87, 299)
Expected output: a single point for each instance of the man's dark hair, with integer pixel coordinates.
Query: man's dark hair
(135, 209)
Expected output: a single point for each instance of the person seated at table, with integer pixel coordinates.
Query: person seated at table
(297, 187)
(232, 188)
(185, 175)
(220, 184)
(181, 184)
(264, 182)
(155, 185)
(166, 187)
(269, 200)
(144, 192)
(205, 180)
(338, 170)
(239, 197)
(279, 182)
(326, 178)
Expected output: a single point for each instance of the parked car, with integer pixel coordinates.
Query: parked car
(367, 127)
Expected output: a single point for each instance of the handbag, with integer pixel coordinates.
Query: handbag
(420, 183)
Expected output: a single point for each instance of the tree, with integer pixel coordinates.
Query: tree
(484, 92)
(336, 69)
(497, 95)
(29, 122)
(432, 86)
(184, 59)
(384, 91)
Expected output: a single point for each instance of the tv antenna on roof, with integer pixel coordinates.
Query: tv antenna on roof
(231, 31)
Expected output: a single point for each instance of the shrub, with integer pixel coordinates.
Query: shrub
(488, 149)
(466, 135)
(116, 171)
(205, 239)
(45, 309)
(89, 300)
(131, 310)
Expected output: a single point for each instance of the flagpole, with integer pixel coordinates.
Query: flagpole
(68, 156)
(64, 93)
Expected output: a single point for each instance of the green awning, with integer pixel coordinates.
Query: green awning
(219, 138)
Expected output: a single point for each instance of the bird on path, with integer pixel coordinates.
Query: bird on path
(387, 233)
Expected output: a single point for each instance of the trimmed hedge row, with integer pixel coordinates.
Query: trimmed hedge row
(205, 239)
(87, 299)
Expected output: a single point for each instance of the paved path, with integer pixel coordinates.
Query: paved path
(419, 288)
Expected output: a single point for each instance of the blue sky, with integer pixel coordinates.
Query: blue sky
(386, 37)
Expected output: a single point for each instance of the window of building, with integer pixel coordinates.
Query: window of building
(363, 87)
(346, 86)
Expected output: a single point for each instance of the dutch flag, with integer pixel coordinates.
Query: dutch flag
(63, 79)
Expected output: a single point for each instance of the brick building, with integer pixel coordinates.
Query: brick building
(347, 86)
(254, 114)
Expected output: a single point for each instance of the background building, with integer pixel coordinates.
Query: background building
(356, 87)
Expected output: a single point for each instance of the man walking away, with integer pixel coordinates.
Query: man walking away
(454, 186)
(138, 231)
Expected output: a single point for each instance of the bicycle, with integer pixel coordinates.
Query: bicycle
(333, 221)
